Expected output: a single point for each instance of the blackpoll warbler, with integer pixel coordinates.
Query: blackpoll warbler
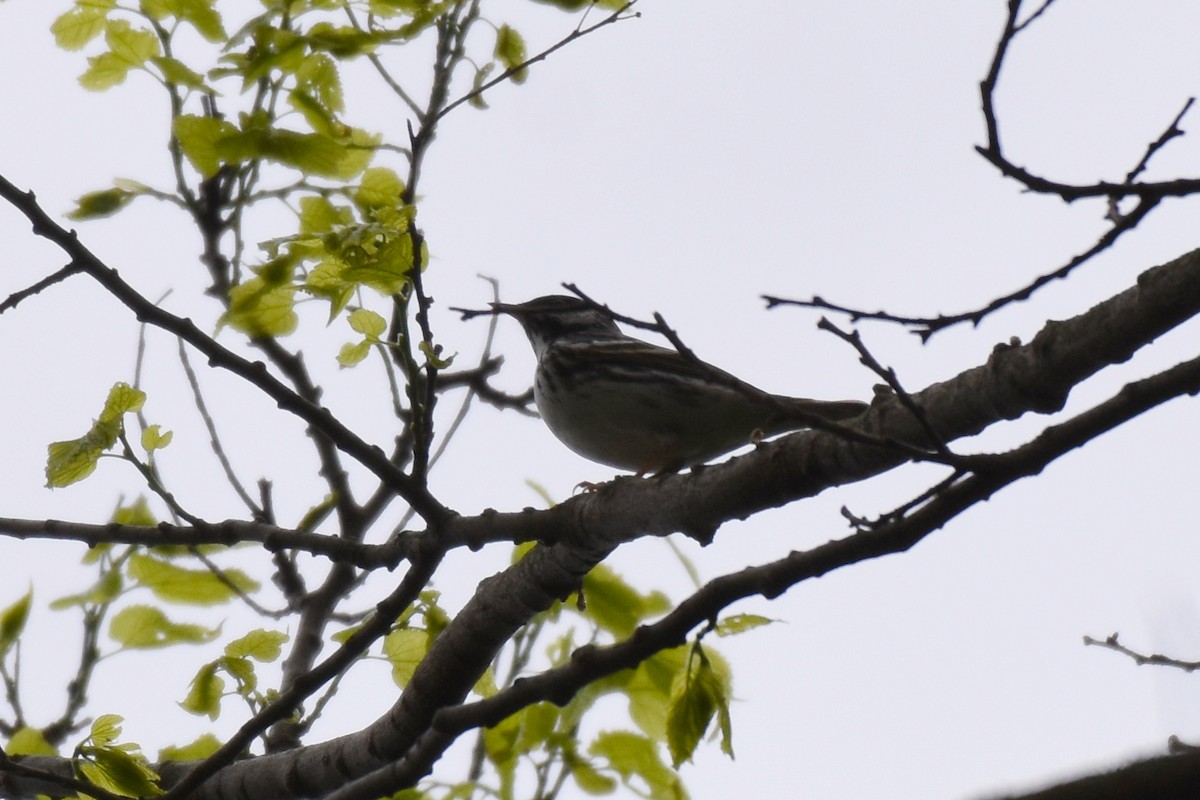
(636, 406)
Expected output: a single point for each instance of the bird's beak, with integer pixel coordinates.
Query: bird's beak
(512, 309)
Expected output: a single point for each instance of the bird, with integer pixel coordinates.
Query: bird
(635, 406)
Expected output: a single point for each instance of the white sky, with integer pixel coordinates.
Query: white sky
(685, 163)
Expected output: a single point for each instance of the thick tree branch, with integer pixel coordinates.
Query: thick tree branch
(403, 743)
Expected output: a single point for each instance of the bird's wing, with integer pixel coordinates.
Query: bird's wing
(634, 355)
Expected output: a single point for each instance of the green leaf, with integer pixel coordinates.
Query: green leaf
(486, 685)
(689, 716)
(200, 14)
(701, 691)
(258, 308)
(433, 355)
(147, 627)
(649, 689)
(154, 439)
(104, 72)
(12, 621)
(404, 650)
(128, 48)
(379, 187)
(587, 777)
(352, 354)
(342, 41)
(104, 590)
(105, 730)
(105, 203)
(318, 81)
(81, 24)
(204, 695)
(29, 742)
(136, 513)
(500, 747)
(71, 461)
(318, 215)
(481, 76)
(318, 513)
(176, 72)
(510, 51)
(634, 756)
(259, 644)
(615, 605)
(383, 266)
(201, 748)
(368, 323)
(326, 281)
(195, 586)
(242, 671)
(537, 724)
(122, 398)
(119, 771)
(201, 138)
(312, 153)
(740, 623)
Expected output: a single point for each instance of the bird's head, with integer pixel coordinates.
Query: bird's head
(554, 317)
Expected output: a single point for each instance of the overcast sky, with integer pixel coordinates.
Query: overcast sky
(687, 162)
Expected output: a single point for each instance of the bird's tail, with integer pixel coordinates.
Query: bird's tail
(830, 410)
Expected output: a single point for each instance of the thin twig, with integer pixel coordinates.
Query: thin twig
(578, 33)
(213, 437)
(16, 297)
(1155, 659)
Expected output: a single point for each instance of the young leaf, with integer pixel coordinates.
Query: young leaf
(740, 623)
(257, 308)
(105, 730)
(318, 215)
(368, 323)
(12, 621)
(587, 777)
(615, 605)
(145, 627)
(204, 696)
(353, 354)
(122, 398)
(119, 772)
(195, 586)
(261, 645)
(201, 748)
(136, 513)
(379, 187)
(104, 590)
(81, 24)
(72, 461)
(701, 691)
(128, 48)
(691, 711)
(631, 755)
(201, 139)
(175, 71)
(201, 14)
(404, 649)
(153, 438)
(105, 203)
(510, 51)
(29, 742)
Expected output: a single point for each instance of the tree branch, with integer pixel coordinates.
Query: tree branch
(321, 420)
